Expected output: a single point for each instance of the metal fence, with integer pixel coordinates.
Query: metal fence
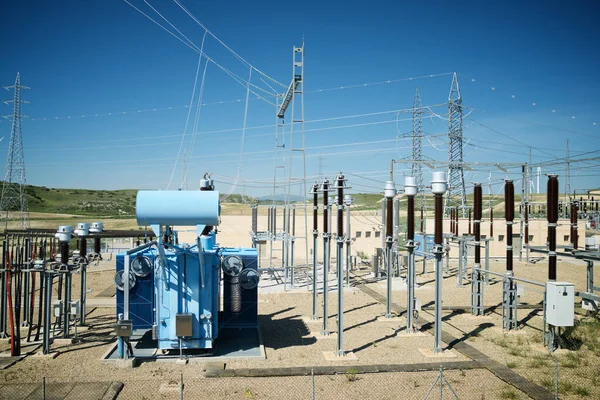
(565, 377)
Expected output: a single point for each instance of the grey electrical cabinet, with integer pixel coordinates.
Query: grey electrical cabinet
(124, 328)
(560, 303)
(183, 325)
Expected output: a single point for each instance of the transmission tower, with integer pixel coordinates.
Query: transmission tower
(456, 195)
(416, 170)
(13, 196)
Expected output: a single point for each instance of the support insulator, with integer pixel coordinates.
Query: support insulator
(552, 207)
(439, 220)
(410, 227)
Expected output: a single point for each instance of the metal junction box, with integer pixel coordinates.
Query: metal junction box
(560, 303)
(124, 328)
(183, 325)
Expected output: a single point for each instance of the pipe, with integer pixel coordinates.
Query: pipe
(325, 188)
(478, 204)
(340, 257)
(438, 251)
(574, 217)
(47, 312)
(410, 273)
(552, 206)
(315, 190)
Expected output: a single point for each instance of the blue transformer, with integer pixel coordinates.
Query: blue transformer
(187, 293)
(141, 295)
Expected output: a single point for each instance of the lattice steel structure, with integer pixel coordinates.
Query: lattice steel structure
(456, 195)
(417, 167)
(14, 197)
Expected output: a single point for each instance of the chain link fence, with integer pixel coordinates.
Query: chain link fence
(463, 384)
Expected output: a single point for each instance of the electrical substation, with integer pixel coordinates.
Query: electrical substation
(438, 276)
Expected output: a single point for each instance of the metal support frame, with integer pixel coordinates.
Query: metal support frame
(509, 302)
(340, 264)
(326, 255)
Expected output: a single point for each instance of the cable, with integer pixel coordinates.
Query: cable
(187, 120)
(224, 45)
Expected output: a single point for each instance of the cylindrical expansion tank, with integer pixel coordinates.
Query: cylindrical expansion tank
(186, 208)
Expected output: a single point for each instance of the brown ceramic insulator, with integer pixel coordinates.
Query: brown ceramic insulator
(552, 199)
(452, 221)
(410, 217)
(478, 202)
(491, 222)
(477, 233)
(439, 219)
(552, 248)
(97, 245)
(340, 209)
(389, 217)
(315, 207)
(326, 207)
(64, 252)
(509, 201)
(456, 221)
(526, 225)
(575, 232)
(422, 220)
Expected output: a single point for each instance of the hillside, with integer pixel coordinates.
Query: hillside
(113, 203)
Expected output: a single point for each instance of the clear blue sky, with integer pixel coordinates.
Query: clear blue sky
(83, 58)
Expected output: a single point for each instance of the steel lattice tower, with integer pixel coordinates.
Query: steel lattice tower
(416, 170)
(456, 195)
(13, 196)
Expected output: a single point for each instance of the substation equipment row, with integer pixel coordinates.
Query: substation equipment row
(33, 261)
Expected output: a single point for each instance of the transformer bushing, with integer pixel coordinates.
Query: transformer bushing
(326, 248)
(439, 186)
(477, 303)
(410, 190)
(389, 193)
(509, 286)
(315, 194)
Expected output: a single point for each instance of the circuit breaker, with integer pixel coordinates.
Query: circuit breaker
(560, 303)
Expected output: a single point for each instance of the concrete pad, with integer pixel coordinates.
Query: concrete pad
(472, 317)
(128, 363)
(319, 335)
(396, 320)
(182, 361)
(416, 334)
(52, 355)
(214, 366)
(63, 341)
(309, 320)
(444, 354)
(398, 284)
(331, 356)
